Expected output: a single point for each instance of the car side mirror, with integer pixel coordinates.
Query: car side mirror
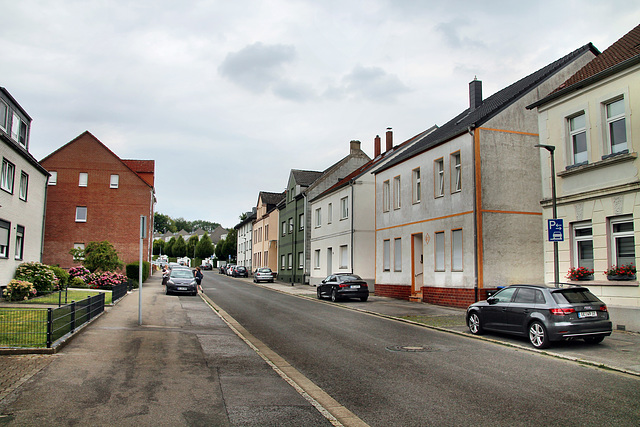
(492, 300)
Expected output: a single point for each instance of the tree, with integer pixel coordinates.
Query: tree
(182, 224)
(168, 247)
(101, 256)
(191, 246)
(179, 248)
(158, 246)
(163, 223)
(205, 225)
(204, 248)
(227, 247)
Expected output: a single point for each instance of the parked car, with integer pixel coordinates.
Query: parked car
(343, 285)
(221, 269)
(263, 274)
(240, 271)
(181, 280)
(543, 314)
(230, 269)
(206, 267)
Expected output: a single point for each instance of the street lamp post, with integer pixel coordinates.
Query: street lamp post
(556, 265)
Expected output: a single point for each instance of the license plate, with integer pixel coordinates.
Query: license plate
(182, 288)
(587, 314)
(355, 286)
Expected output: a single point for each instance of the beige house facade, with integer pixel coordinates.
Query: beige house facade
(265, 231)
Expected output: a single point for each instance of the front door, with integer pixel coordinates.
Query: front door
(417, 269)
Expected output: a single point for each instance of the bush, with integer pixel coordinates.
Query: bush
(77, 282)
(105, 280)
(101, 256)
(42, 276)
(134, 274)
(18, 290)
(62, 275)
(81, 272)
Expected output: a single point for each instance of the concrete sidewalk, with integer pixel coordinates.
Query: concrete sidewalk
(183, 366)
(620, 351)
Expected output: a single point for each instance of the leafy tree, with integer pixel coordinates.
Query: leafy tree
(158, 246)
(182, 224)
(179, 247)
(204, 248)
(227, 247)
(205, 225)
(163, 223)
(191, 246)
(101, 256)
(168, 247)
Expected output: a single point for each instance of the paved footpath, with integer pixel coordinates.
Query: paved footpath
(183, 366)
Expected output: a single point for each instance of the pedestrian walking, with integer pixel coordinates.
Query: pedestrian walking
(198, 274)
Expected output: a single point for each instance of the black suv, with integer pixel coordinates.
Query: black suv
(542, 313)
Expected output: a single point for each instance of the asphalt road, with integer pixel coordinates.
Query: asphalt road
(392, 373)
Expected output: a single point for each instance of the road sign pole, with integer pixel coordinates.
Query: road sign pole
(556, 263)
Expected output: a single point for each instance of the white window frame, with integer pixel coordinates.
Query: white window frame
(397, 192)
(4, 120)
(5, 235)
(283, 265)
(417, 192)
(386, 255)
(19, 242)
(615, 118)
(344, 208)
(83, 179)
(344, 257)
(386, 196)
(582, 156)
(613, 222)
(397, 254)
(290, 225)
(301, 221)
(300, 260)
(24, 186)
(329, 213)
(53, 179)
(81, 214)
(578, 236)
(438, 178)
(439, 251)
(19, 130)
(284, 228)
(316, 259)
(456, 172)
(318, 217)
(7, 179)
(289, 261)
(114, 181)
(457, 252)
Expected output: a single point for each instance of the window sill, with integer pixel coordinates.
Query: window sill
(625, 283)
(606, 161)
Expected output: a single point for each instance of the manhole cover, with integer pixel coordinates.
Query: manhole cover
(410, 348)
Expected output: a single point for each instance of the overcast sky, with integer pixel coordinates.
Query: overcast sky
(228, 96)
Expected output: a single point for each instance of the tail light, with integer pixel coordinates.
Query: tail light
(603, 307)
(562, 311)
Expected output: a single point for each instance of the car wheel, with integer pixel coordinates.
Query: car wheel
(538, 335)
(318, 293)
(334, 295)
(474, 324)
(594, 340)
(364, 299)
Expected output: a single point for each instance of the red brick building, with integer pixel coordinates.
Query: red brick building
(92, 196)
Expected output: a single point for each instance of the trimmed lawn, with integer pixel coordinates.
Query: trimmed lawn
(72, 295)
(23, 327)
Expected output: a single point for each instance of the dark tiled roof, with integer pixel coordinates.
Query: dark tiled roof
(271, 198)
(305, 178)
(489, 108)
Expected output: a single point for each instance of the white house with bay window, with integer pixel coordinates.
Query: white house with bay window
(23, 184)
(590, 123)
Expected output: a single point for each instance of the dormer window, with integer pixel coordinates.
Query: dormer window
(19, 130)
(4, 114)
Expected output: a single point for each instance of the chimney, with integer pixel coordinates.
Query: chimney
(389, 139)
(355, 146)
(475, 94)
(376, 146)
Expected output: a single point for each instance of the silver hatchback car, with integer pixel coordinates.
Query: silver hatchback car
(542, 313)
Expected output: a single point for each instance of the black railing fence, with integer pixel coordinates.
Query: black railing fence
(119, 291)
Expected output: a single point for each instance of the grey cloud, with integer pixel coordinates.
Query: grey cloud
(451, 32)
(257, 67)
(372, 83)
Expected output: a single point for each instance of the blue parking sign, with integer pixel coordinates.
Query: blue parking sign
(556, 230)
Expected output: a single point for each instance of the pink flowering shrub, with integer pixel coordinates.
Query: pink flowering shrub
(81, 272)
(40, 275)
(18, 290)
(105, 280)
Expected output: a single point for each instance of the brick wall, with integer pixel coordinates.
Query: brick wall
(452, 297)
(393, 291)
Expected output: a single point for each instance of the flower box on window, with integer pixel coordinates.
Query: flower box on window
(622, 272)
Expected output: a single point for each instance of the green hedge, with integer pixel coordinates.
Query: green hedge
(133, 272)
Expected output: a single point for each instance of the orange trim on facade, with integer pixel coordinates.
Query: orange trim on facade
(423, 221)
(512, 212)
(509, 131)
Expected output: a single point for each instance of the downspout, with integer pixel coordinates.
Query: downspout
(351, 184)
(44, 218)
(304, 242)
(476, 181)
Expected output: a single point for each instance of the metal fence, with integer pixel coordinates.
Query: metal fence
(119, 291)
(42, 328)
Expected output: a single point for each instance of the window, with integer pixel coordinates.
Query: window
(53, 179)
(456, 250)
(266, 258)
(114, 181)
(84, 179)
(81, 214)
(386, 255)
(583, 245)
(4, 110)
(19, 242)
(316, 258)
(289, 261)
(396, 193)
(438, 171)
(283, 264)
(456, 181)
(416, 185)
(24, 186)
(8, 174)
(329, 213)
(397, 255)
(439, 261)
(301, 221)
(290, 225)
(386, 200)
(344, 208)
(623, 243)
(344, 256)
(300, 260)
(4, 238)
(19, 130)
(266, 232)
(578, 133)
(318, 217)
(616, 127)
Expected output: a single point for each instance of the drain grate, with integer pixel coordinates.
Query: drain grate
(410, 348)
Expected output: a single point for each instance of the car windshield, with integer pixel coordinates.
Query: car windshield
(349, 277)
(181, 274)
(264, 270)
(574, 296)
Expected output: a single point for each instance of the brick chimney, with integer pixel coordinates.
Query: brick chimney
(355, 146)
(475, 94)
(389, 139)
(376, 146)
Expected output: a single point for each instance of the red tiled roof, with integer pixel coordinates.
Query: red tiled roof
(140, 166)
